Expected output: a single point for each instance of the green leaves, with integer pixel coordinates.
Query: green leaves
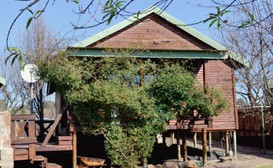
(216, 17)
(107, 101)
(248, 22)
(177, 94)
(15, 53)
(28, 22)
(74, 1)
(34, 16)
(111, 9)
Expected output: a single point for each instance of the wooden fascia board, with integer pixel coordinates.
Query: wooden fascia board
(151, 54)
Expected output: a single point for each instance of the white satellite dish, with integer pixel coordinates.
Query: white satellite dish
(29, 73)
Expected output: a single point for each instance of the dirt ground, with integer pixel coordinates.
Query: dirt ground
(247, 157)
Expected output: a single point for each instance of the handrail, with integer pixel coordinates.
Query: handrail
(29, 117)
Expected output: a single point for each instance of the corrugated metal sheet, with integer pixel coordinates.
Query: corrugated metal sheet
(2, 81)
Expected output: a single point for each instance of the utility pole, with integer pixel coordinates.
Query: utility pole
(262, 119)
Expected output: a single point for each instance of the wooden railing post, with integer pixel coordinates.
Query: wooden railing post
(74, 157)
(178, 145)
(204, 131)
(185, 153)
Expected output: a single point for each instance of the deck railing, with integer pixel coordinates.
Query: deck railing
(23, 129)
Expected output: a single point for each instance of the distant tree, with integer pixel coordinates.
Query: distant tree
(3, 106)
(254, 43)
(241, 102)
(39, 43)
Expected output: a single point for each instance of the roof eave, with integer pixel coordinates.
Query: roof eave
(2, 81)
(240, 60)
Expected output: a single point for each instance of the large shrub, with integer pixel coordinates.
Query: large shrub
(108, 99)
(178, 94)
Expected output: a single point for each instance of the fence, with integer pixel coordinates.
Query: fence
(250, 126)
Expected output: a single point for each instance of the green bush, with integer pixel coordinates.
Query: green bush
(107, 100)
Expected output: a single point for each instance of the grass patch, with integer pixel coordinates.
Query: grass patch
(266, 166)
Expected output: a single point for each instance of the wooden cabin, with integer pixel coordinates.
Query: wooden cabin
(159, 36)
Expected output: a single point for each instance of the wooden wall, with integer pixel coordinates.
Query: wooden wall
(220, 74)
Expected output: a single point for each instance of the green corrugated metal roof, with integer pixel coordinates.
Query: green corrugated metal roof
(225, 54)
(2, 81)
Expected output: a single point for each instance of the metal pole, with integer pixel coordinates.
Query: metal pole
(31, 98)
(235, 143)
(178, 146)
(204, 131)
(263, 136)
(210, 144)
(262, 118)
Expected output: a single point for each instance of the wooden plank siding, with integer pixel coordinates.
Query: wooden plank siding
(220, 75)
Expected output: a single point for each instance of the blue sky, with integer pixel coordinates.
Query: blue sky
(60, 16)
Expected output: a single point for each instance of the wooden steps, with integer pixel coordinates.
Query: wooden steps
(21, 154)
(53, 165)
(24, 152)
(64, 140)
(53, 148)
(43, 162)
(40, 158)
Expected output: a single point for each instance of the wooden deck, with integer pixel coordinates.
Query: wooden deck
(54, 148)
(24, 140)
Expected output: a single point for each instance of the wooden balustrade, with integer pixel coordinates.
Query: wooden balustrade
(23, 129)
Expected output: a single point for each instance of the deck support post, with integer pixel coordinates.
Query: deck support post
(185, 152)
(234, 144)
(74, 157)
(195, 139)
(227, 143)
(178, 146)
(210, 143)
(145, 165)
(204, 132)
